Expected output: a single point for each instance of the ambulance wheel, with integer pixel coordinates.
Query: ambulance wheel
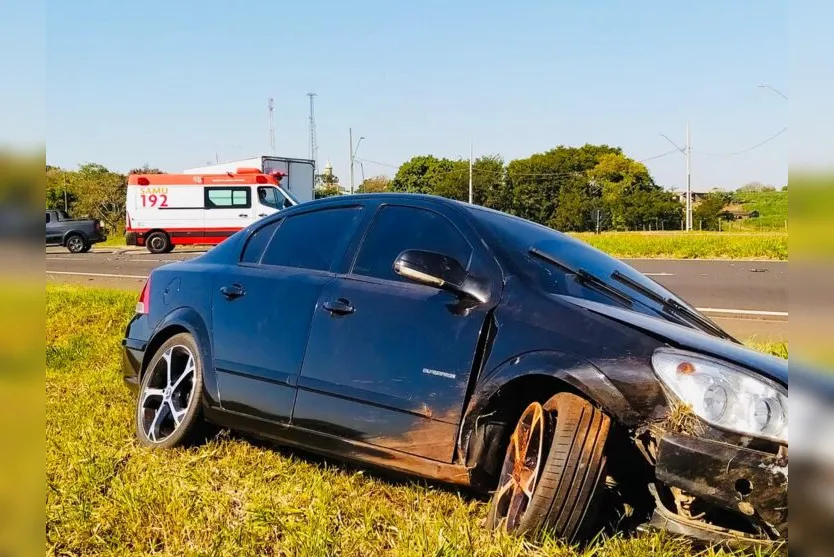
(158, 242)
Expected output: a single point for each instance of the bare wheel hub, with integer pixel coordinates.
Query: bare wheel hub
(168, 393)
(522, 466)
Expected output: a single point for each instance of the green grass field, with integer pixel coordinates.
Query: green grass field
(107, 496)
(677, 245)
(691, 245)
(771, 205)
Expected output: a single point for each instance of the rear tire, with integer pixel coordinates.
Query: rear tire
(169, 406)
(75, 243)
(559, 489)
(158, 242)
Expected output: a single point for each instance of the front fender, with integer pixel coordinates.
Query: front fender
(579, 374)
(190, 320)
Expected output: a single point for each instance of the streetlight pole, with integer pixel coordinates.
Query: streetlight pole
(353, 154)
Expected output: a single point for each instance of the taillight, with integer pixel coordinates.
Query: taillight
(143, 306)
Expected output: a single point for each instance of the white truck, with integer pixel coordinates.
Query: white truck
(299, 174)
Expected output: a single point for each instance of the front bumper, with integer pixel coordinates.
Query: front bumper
(132, 357)
(751, 485)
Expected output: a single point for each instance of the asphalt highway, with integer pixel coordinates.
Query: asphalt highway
(748, 298)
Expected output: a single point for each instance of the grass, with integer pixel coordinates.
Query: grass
(771, 205)
(107, 496)
(690, 245)
(113, 240)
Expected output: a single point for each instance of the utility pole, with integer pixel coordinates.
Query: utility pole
(271, 106)
(314, 148)
(687, 152)
(470, 173)
(688, 179)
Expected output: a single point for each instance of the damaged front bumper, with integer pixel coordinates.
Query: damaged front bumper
(718, 492)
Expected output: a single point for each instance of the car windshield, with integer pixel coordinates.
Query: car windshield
(519, 236)
(288, 195)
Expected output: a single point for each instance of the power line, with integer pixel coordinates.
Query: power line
(748, 149)
(661, 155)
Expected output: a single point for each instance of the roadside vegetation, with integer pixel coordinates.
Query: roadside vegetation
(232, 496)
(691, 245)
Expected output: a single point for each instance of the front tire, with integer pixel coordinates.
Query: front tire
(169, 406)
(158, 242)
(553, 470)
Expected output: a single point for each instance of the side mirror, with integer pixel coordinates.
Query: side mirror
(438, 270)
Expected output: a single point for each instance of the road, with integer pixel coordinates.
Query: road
(748, 298)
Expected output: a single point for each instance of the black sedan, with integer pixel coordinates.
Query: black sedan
(468, 346)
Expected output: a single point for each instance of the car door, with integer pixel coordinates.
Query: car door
(388, 361)
(262, 308)
(227, 208)
(51, 226)
(270, 200)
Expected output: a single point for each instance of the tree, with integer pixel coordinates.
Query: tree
(416, 175)
(376, 184)
(711, 210)
(101, 194)
(59, 194)
(755, 187)
(320, 192)
(536, 182)
(327, 185)
(146, 169)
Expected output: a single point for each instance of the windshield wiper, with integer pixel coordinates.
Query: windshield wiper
(672, 306)
(585, 278)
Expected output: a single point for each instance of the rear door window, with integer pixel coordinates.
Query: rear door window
(312, 240)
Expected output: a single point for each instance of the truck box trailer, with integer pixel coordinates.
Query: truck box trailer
(300, 174)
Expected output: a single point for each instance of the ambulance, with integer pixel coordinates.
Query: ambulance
(167, 210)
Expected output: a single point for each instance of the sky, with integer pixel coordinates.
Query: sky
(181, 84)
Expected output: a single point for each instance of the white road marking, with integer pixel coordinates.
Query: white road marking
(96, 275)
(744, 312)
(659, 274)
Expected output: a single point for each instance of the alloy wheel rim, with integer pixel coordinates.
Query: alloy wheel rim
(522, 467)
(75, 244)
(157, 243)
(168, 394)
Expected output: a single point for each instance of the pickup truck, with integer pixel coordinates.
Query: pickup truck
(77, 235)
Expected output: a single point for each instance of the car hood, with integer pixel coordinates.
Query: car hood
(771, 367)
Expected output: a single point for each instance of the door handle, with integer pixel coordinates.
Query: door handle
(232, 291)
(261, 214)
(244, 215)
(339, 307)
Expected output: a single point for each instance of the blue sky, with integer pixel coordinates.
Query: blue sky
(174, 84)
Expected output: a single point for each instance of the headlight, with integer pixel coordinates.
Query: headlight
(723, 395)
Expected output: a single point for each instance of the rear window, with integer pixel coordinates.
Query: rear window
(257, 242)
